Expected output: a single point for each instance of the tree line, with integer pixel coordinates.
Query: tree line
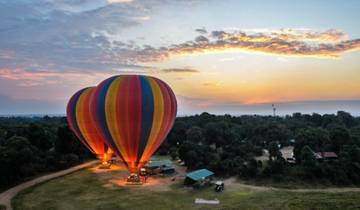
(36, 145)
(229, 146)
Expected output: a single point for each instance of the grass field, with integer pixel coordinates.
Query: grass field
(84, 190)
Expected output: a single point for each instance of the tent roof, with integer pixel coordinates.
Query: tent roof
(158, 163)
(199, 174)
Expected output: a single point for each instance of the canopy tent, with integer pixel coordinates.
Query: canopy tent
(198, 175)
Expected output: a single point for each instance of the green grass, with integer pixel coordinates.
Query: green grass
(82, 190)
(2, 207)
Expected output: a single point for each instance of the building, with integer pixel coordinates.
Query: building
(201, 177)
(159, 166)
(325, 156)
(288, 154)
(168, 170)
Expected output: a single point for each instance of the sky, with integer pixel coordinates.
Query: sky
(223, 57)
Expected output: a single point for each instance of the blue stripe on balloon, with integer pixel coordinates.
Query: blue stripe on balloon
(100, 112)
(147, 111)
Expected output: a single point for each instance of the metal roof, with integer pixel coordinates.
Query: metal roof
(326, 155)
(199, 174)
(159, 163)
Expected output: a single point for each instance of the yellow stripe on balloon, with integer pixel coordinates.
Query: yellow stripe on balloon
(80, 118)
(111, 116)
(158, 116)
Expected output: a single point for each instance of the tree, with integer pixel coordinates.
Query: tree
(346, 118)
(2, 136)
(177, 134)
(184, 148)
(173, 153)
(191, 159)
(355, 135)
(316, 138)
(274, 151)
(39, 137)
(18, 159)
(339, 136)
(219, 133)
(250, 170)
(195, 134)
(307, 157)
(316, 119)
(67, 143)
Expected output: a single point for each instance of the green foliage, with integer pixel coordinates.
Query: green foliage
(195, 134)
(274, 151)
(228, 145)
(316, 138)
(339, 136)
(225, 144)
(31, 146)
(307, 157)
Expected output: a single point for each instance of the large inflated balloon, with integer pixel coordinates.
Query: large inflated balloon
(134, 114)
(81, 123)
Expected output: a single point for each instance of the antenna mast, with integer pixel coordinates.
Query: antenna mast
(274, 109)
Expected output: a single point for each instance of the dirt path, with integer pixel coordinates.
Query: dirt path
(233, 184)
(5, 197)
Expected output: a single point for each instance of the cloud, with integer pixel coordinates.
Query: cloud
(212, 83)
(15, 106)
(75, 35)
(180, 70)
(24, 78)
(201, 39)
(201, 30)
(67, 34)
(326, 44)
(86, 36)
(119, 1)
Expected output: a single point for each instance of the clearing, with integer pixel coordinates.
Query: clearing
(95, 189)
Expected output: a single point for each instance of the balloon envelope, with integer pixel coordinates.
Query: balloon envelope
(134, 114)
(81, 123)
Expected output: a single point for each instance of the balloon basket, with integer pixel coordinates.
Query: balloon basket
(135, 179)
(105, 165)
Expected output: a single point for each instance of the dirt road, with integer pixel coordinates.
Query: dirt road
(233, 184)
(5, 197)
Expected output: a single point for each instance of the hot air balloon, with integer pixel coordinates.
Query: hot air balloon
(80, 122)
(134, 114)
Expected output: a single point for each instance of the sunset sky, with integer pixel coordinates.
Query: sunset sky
(234, 57)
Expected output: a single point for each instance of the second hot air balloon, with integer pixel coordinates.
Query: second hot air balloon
(133, 114)
(81, 123)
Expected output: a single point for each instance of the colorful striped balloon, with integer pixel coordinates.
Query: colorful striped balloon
(133, 114)
(80, 122)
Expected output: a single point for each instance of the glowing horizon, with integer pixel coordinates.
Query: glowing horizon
(221, 57)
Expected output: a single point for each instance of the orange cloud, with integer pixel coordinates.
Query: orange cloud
(286, 42)
(180, 70)
(38, 78)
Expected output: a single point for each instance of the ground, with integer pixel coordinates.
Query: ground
(95, 189)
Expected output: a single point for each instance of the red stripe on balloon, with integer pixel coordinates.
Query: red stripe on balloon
(121, 113)
(136, 109)
(96, 139)
(93, 110)
(167, 115)
(133, 116)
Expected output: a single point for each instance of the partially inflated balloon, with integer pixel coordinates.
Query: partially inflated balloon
(81, 123)
(134, 114)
